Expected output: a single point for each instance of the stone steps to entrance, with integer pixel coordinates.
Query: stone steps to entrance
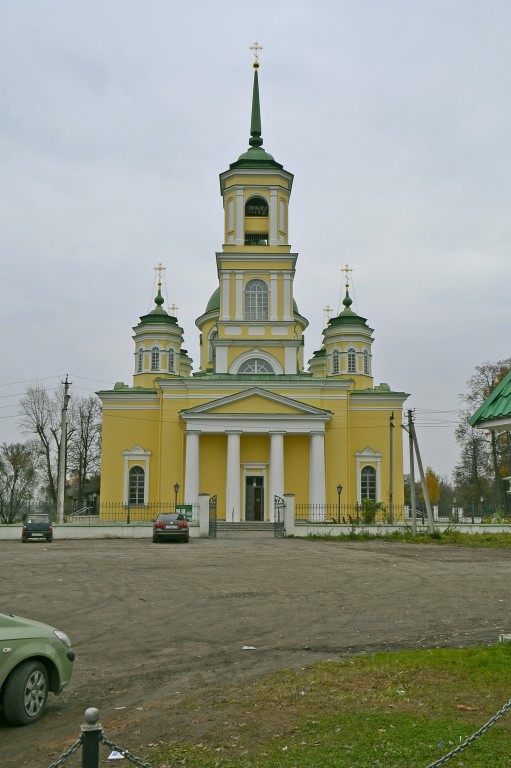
(245, 528)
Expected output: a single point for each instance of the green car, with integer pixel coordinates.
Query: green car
(34, 659)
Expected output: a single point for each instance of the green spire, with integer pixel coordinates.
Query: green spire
(255, 156)
(255, 122)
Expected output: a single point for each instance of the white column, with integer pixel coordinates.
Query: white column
(191, 494)
(232, 486)
(240, 217)
(239, 296)
(274, 295)
(276, 469)
(273, 218)
(226, 284)
(317, 468)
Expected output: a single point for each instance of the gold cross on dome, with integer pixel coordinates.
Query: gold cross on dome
(255, 48)
(347, 271)
(160, 269)
(328, 312)
(173, 309)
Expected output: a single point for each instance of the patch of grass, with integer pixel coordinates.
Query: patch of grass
(388, 710)
(450, 537)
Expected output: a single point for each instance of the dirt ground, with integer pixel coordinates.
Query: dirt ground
(151, 623)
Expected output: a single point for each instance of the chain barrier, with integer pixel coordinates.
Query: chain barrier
(124, 752)
(67, 754)
(472, 738)
(142, 764)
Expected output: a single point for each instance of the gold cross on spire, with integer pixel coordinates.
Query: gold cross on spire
(328, 313)
(347, 271)
(255, 48)
(160, 269)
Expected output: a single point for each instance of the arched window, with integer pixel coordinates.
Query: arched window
(255, 365)
(335, 361)
(256, 206)
(256, 300)
(211, 347)
(155, 359)
(368, 484)
(172, 361)
(140, 361)
(136, 485)
(366, 361)
(352, 361)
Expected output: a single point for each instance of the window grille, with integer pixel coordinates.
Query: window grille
(335, 362)
(352, 361)
(256, 300)
(256, 238)
(136, 485)
(366, 361)
(172, 361)
(256, 206)
(140, 363)
(255, 365)
(155, 359)
(368, 484)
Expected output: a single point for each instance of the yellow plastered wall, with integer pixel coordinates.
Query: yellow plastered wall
(296, 466)
(122, 430)
(213, 469)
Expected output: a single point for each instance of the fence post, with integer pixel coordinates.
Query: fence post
(91, 731)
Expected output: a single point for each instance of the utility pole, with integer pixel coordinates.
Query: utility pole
(431, 522)
(412, 475)
(391, 469)
(61, 484)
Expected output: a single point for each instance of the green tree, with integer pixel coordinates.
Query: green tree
(485, 455)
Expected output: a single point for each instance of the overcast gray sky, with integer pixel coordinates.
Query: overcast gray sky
(116, 117)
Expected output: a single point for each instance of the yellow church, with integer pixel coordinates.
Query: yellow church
(253, 424)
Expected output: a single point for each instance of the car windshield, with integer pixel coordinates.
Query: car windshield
(37, 519)
(169, 518)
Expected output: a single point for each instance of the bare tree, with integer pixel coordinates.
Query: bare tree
(42, 413)
(18, 478)
(41, 418)
(84, 449)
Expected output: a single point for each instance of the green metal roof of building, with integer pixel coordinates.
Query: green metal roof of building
(496, 406)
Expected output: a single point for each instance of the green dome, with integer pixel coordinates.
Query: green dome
(214, 302)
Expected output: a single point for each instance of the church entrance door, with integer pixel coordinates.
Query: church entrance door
(254, 497)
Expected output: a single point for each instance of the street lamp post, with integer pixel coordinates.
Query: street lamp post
(339, 491)
(176, 489)
(482, 501)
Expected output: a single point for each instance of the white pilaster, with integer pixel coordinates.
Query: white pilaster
(239, 296)
(240, 218)
(191, 494)
(226, 284)
(290, 360)
(317, 468)
(232, 493)
(288, 314)
(276, 469)
(273, 218)
(274, 295)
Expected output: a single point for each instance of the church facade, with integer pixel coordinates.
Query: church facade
(252, 422)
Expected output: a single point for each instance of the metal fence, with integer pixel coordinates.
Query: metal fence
(129, 514)
(350, 514)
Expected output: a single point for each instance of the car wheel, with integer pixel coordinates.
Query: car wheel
(187, 540)
(155, 540)
(25, 693)
(49, 539)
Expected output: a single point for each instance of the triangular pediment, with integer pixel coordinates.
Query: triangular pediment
(254, 401)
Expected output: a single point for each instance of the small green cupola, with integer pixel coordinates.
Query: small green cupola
(346, 349)
(159, 346)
